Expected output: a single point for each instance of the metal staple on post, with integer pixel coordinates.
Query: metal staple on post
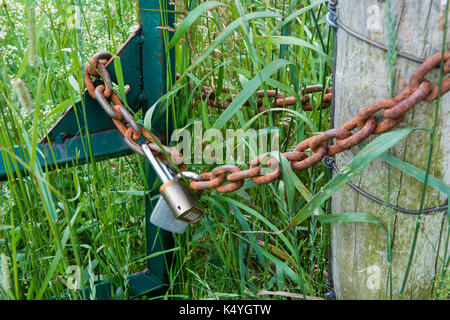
(331, 15)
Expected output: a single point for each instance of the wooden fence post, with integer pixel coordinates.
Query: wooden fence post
(359, 261)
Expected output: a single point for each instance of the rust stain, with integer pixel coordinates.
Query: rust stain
(441, 20)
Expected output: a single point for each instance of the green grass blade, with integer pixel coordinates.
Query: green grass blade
(53, 266)
(120, 80)
(26, 58)
(416, 173)
(350, 217)
(283, 266)
(289, 184)
(190, 19)
(297, 13)
(287, 111)
(287, 40)
(227, 32)
(272, 82)
(61, 107)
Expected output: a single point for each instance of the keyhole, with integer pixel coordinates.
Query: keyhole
(179, 208)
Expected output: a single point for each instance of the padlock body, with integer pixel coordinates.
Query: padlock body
(181, 201)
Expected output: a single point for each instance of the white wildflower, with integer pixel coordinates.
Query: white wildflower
(5, 273)
(31, 19)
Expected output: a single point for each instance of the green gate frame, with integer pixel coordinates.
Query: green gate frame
(144, 63)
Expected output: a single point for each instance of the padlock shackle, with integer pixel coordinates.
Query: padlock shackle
(164, 175)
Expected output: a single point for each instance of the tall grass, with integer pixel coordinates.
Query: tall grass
(245, 45)
(88, 216)
(92, 215)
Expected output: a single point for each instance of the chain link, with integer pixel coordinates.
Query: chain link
(121, 117)
(229, 178)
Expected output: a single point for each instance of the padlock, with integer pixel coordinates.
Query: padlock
(178, 197)
(163, 217)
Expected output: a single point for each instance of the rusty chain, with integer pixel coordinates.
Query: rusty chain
(281, 101)
(229, 178)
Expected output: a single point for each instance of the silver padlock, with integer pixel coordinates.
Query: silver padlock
(178, 197)
(163, 217)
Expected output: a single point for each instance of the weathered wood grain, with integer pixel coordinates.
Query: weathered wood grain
(359, 262)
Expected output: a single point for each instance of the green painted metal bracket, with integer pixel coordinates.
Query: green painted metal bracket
(88, 116)
(107, 144)
(144, 65)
